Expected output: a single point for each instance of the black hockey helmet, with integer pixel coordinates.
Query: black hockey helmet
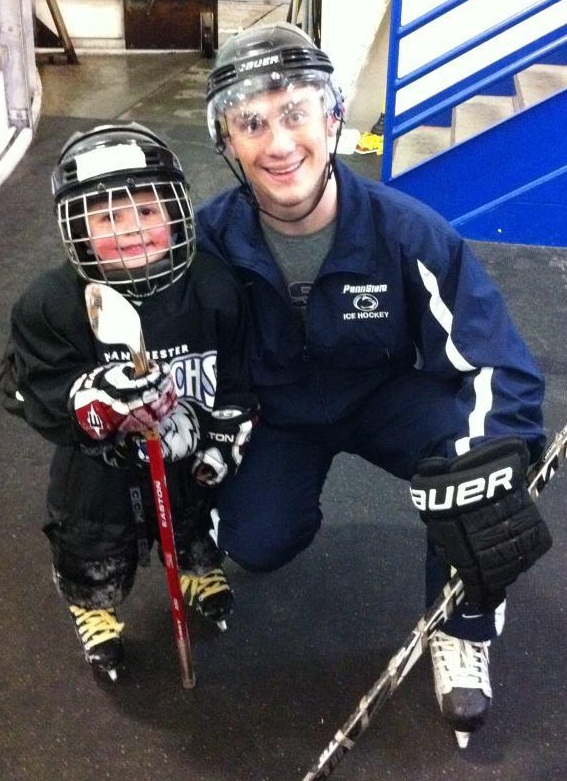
(261, 59)
(114, 163)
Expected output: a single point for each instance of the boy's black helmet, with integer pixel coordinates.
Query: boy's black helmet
(112, 162)
(147, 158)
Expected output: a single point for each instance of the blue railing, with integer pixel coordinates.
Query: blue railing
(398, 123)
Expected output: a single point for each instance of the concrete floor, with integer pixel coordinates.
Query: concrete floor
(305, 642)
(126, 84)
(145, 87)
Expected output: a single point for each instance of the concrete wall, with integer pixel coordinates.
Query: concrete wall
(20, 87)
(351, 40)
(91, 24)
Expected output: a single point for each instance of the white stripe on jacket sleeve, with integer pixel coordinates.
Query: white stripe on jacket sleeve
(483, 380)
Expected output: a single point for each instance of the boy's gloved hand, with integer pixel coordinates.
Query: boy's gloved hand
(481, 518)
(221, 450)
(112, 399)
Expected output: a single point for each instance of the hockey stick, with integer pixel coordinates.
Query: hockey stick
(115, 321)
(417, 642)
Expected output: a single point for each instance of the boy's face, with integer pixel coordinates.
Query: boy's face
(130, 231)
(281, 140)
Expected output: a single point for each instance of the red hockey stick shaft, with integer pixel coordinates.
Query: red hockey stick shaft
(165, 524)
(163, 512)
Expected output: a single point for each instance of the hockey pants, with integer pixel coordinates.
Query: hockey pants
(270, 511)
(100, 520)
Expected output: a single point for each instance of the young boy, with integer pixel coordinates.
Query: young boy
(126, 220)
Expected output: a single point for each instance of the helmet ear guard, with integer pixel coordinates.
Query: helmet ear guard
(339, 107)
(218, 138)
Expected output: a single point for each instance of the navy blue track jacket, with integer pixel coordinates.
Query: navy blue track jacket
(399, 290)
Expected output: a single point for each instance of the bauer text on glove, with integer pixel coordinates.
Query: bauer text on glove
(221, 452)
(481, 518)
(112, 399)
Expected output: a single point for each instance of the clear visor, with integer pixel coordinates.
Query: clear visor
(236, 103)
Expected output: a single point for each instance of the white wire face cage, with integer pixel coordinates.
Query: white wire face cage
(235, 97)
(154, 268)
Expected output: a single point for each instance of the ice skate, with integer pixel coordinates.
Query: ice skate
(99, 632)
(210, 594)
(462, 683)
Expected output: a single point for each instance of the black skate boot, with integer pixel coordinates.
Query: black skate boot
(99, 632)
(210, 593)
(462, 683)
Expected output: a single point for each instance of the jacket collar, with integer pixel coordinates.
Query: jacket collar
(354, 246)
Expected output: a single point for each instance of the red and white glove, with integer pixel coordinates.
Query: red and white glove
(111, 399)
(223, 444)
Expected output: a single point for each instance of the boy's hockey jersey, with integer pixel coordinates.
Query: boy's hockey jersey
(197, 326)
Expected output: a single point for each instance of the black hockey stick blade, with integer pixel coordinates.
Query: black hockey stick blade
(417, 642)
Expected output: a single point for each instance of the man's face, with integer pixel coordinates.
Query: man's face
(130, 231)
(281, 140)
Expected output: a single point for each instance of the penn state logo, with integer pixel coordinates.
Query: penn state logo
(365, 302)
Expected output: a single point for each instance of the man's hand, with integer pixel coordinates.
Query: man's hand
(481, 518)
(221, 452)
(111, 399)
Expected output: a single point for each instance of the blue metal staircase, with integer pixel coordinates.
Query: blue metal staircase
(508, 182)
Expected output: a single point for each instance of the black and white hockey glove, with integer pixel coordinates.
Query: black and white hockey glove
(178, 434)
(481, 518)
(221, 451)
(112, 399)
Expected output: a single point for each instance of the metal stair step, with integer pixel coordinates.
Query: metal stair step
(419, 145)
(479, 113)
(539, 82)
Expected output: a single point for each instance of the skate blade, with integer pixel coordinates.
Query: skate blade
(103, 674)
(462, 738)
(222, 625)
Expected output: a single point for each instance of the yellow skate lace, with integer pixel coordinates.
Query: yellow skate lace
(201, 587)
(96, 626)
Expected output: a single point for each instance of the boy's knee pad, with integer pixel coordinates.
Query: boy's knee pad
(95, 584)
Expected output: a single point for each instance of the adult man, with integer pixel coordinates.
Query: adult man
(375, 332)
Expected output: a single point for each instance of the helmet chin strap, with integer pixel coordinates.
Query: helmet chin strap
(250, 195)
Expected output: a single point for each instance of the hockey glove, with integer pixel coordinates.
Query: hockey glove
(221, 452)
(481, 518)
(112, 399)
(178, 434)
